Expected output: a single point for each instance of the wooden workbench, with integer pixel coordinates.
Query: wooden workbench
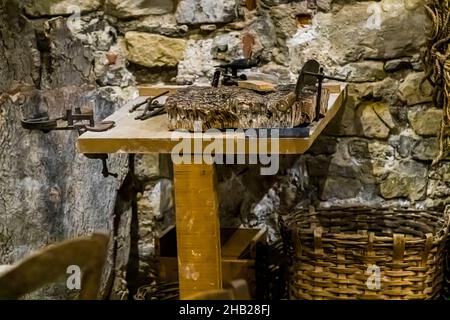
(196, 201)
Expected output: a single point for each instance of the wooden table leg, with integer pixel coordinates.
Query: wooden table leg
(198, 229)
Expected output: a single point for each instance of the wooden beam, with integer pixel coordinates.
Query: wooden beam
(238, 242)
(198, 229)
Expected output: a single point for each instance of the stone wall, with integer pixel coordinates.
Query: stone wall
(377, 151)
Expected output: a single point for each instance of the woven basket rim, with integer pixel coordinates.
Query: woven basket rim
(292, 220)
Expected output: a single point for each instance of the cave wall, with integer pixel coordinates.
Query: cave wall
(379, 147)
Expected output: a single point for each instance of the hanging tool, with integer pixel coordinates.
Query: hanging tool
(74, 121)
(152, 108)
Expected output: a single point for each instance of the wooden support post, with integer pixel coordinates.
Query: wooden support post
(198, 229)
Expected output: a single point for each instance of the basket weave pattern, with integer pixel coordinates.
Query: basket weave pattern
(334, 253)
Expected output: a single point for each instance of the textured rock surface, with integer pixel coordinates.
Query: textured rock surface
(200, 11)
(372, 125)
(412, 91)
(364, 30)
(408, 180)
(60, 7)
(425, 122)
(426, 149)
(365, 71)
(49, 192)
(197, 64)
(165, 25)
(151, 50)
(19, 56)
(136, 8)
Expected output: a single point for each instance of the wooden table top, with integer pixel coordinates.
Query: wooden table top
(153, 136)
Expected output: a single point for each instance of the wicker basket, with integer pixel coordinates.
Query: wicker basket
(446, 290)
(361, 253)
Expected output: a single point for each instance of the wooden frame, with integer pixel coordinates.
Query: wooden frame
(238, 255)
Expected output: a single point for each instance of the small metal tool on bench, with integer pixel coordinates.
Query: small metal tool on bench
(152, 108)
(310, 81)
(236, 65)
(74, 122)
(248, 62)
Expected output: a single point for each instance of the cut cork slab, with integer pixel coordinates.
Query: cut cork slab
(239, 108)
(257, 85)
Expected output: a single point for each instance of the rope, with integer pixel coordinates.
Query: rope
(437, 67)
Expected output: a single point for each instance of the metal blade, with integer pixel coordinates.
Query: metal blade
(305, 79)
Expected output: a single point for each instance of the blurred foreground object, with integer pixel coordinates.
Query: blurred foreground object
(51, 264)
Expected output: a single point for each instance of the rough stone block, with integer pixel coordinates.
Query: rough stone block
(425, 122)
(426, 149)
(332, 188)
(198, 11)
(407, 180)
(60, 7)
(137, 8)
(414, 91)
(152, 50)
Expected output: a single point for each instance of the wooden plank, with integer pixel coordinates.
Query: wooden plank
(153, 136)
(152, 91)
(198, 229)
(238, 243)
(257, 85)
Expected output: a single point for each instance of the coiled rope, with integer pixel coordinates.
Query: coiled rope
(437, 67)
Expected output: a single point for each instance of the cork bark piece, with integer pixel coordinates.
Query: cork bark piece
(234, 107)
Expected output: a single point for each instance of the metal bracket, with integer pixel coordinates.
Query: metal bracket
(103, 158)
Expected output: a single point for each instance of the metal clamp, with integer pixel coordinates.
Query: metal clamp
(311, 78)
(75, 121)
